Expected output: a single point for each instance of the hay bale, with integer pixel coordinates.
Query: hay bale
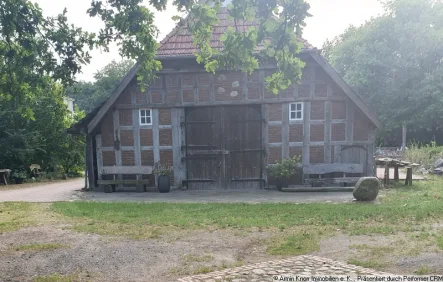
(366, 189)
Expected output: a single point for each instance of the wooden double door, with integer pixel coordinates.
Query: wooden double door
(224, 147)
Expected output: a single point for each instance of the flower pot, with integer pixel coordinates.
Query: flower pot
(280, 183)
(164, 185)
(19, 180)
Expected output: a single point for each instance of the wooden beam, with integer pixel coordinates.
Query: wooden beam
(265, 141)
(349, 121)
(178, 134)
(136, 136)
(346, 88)
(118, 151)
(226, 103)
(285, 130)
(306, 133)
(127, 170)
(311, 82)
(125, 182)
(328, 132)
(113, 98)
(99, 155)
(330, 168)
(156, 135)
(90, 160)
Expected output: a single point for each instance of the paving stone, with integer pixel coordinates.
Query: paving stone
(301, 265)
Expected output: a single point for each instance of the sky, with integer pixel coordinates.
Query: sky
(329, 19)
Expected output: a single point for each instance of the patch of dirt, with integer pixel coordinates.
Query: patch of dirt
(399, 254)
(188, 252)
(117, 259)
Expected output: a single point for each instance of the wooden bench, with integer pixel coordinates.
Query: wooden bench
(109, 185)
(322, 169)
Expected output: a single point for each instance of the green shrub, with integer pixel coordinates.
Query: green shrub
(425, 155)
(286, 169)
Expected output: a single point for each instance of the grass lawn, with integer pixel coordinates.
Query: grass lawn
(410, 216)
(400, 209)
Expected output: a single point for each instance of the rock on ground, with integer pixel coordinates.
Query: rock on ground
(366, 189)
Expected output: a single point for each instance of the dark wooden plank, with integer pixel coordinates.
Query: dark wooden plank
(123, 182)
(330, 168)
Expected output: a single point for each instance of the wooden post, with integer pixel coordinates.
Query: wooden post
(404, 132)
(90, 161)
(396, 176)
(408, 180)
(387, 174)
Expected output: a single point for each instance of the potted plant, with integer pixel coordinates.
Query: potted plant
(285, 170)
(19, 176)
(163, 174)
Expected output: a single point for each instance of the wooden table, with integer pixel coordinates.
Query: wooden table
(396, 164)
(4, 175)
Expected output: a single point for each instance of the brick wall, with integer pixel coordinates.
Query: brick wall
(338, 109)
(317, 155)
(275, 112)
(274, 132)
(296, 151)
(317, 132)
(228, 86)
(164, 116)
(166, 157)
(107, 131)
(296, 133)
(126, 138)
(317, 110)
(165, 136)
(338, 132)
(254, 86)
(361, 126)
(321, 90)
(108, 158)
(128, 158)
(274, 155)
(147, 158)
(146, 137)
(125, 117)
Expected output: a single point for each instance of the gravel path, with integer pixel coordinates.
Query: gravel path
(54, 192)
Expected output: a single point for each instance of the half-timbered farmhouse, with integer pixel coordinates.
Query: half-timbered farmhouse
(222, 130)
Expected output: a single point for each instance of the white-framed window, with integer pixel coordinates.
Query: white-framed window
(296, 111)
(146, 117)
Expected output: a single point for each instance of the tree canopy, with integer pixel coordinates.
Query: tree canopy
(395, 63)
(41, 56)
(89, 95)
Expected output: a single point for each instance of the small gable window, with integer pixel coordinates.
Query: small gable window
(296, 111)
(146, 117)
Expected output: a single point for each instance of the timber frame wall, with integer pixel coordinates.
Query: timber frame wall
(331, 120)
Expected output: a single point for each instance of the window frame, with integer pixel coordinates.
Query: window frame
(301, 111)
(145, 116)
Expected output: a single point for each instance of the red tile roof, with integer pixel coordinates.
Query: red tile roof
(178, 43)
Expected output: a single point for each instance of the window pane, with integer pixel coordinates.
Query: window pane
(148, 120)
(143, 120)
(298, 115)
(293, 115)
(292, 107)
(148, 113)
(299, 106)
(142, 113)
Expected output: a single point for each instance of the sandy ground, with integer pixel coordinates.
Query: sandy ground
(70, 191)
(58, 191)
(166, 258)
